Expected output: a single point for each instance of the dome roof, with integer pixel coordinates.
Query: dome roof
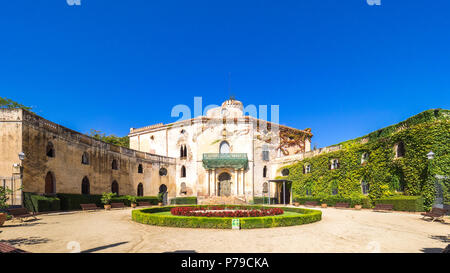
(232, 103)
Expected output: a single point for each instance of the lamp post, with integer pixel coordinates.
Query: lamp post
(21, 158)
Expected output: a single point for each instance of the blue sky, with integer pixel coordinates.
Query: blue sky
(342, 68)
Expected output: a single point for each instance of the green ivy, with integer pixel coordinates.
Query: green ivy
(412, 174)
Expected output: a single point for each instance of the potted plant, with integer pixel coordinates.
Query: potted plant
(106, 199)
(132, 200)
(4, 197)
(357, 200)
(160, 198)
(322, 199)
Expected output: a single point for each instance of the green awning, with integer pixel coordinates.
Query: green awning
(230, 160)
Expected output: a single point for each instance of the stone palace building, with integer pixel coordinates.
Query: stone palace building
(224, 153)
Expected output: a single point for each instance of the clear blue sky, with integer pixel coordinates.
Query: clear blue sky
(342, 68)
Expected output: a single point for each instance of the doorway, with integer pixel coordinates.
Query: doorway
(224, 184)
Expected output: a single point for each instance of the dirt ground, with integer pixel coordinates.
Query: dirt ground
(341, 230)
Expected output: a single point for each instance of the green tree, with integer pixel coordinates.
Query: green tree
(112, 139)
(10, 104)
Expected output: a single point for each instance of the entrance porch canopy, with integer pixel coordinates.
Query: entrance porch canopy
(283, 183)
(236, 161)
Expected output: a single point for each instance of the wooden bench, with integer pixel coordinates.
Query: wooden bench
(89, 206)
(383, 207)
(435, 214)
(144, 204)
(6, 248)
(342, 205)
(117, 205)
(310, 203)
(20, 213)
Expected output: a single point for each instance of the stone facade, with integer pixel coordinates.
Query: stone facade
(53, 160)
(225, 135)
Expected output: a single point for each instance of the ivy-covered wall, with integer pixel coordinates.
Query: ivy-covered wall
(384, 172)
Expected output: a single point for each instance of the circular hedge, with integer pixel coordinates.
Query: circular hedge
(152, 216)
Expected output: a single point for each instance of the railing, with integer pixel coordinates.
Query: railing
(225, 156)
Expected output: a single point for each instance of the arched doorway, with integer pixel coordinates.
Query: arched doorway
(224, 184)
(50, 183)
(85, 186)
(140, 190)
(115, 187)
(163, 191)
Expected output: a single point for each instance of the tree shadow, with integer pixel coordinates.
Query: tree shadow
(26, 241)
(444, 239)
(181, 251)
(432, 250)
(102, 247)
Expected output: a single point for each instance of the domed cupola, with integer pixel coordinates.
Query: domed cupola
(233, 103)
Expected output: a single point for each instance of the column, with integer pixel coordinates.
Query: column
(209, 182)
(243, 182)
(215, 183)
(236, 180)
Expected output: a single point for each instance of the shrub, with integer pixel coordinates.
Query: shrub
(38, 203)
(107, 197)
(183, 201)
(403, 203)
(71, 201)
(331, 200)
(148, 216)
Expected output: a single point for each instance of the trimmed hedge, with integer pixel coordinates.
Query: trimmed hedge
(153, 200)
(70, 201)
(38, 203)
(147, 216)
(403, 203)
(264, 200)
(183, 201)
(332, 200)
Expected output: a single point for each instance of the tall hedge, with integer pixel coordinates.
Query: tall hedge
(403, 203)
(385, 174)
(183, 200)
(38, 203)
(70, 201)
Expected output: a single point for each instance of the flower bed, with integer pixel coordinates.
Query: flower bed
(161, 216)
(221, 211)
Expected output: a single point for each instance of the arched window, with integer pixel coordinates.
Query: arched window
(182, 131)
(285, 172)
(364, 157)
(365, 186)
(85, 158)
(183, 189)
(140, 190)
(265, 187)
(183, 151)
(162, 188)
(334, 164)
(50, 186)
(308, 192)
(115, 187)
(85, 186)
(114, 165)
(400, 150)
(183, 171)
(307, 168)
(163, 172)
(50, 150)
(265, 171)
(224, 147)
(140, 169)
(334, 190)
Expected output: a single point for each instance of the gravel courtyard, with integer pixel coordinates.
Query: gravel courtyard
(340, 230)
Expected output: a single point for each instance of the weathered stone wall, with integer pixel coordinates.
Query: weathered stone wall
(31, 134)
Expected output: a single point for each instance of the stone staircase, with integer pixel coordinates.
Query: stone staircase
(221, 200)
